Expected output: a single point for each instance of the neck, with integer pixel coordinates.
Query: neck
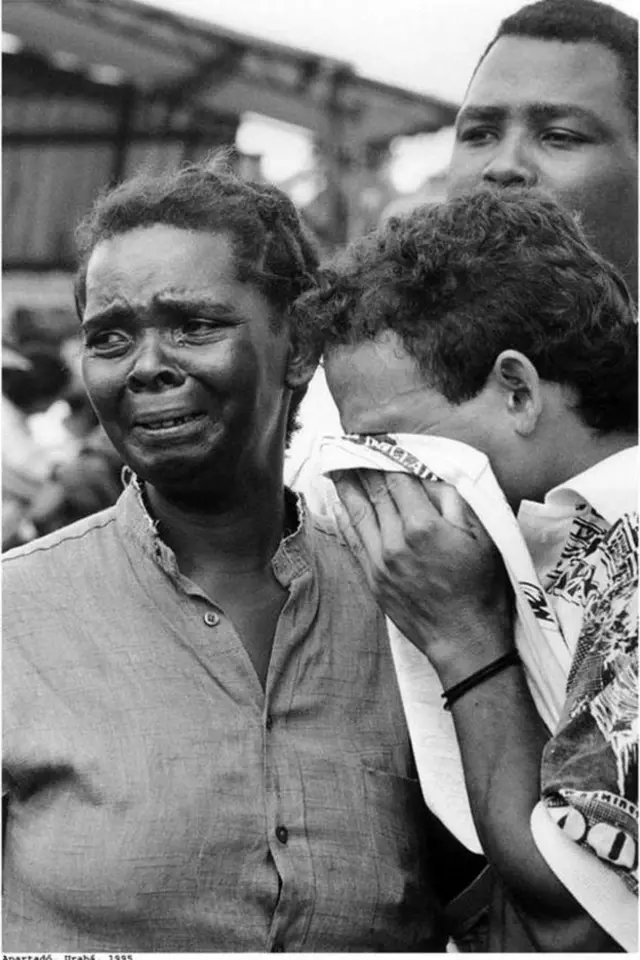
(586, 450)
(597, 448)
(238, 534)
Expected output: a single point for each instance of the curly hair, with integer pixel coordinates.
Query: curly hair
(461, 281)
(272, 246)
(581, 21)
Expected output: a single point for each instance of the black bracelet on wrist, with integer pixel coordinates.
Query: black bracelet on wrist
(450, 696)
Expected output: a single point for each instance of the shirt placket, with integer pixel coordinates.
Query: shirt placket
(288, 838)
(283, 776)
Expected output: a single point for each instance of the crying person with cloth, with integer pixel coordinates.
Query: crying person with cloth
(483, 342)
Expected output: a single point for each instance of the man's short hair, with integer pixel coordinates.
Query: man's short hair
(273, 248)
(581, 21)
(461, 281)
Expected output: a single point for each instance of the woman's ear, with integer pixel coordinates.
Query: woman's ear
(519, 384)
(301, 366)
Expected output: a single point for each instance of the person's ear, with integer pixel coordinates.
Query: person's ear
(519, 384)
(301, 366)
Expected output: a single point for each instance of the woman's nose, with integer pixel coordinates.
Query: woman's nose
(154, 366)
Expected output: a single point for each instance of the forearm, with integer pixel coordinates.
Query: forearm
(501, 739)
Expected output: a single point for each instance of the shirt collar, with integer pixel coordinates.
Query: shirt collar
(610, 487)
(292, 557)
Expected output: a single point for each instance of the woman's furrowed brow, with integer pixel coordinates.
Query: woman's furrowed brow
(114, 313)
(194, 303)
(170, 302)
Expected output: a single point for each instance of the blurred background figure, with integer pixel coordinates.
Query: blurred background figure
(33, 378)
(89, 482)
(86, 468)
(57, 463)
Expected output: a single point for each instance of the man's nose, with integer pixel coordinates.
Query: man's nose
(511, 165)
(154, 366)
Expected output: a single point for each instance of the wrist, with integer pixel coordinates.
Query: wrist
(472, 646)
(453, 693)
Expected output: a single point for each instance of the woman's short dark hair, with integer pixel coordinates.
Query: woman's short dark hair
(273, 248)
(461, 281)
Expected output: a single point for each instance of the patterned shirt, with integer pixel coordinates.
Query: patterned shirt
(160, 799)
(584, 542)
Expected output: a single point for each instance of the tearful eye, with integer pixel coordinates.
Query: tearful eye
(196, 330)
(107, 342)
(197, 326)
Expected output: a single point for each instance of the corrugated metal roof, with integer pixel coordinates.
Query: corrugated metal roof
(176, 87)
(61, 147)
(45, 192)
(223, 71)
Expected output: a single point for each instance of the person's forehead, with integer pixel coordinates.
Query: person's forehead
(161, 251)
(377, 386)
(520, 70)
(371, 368)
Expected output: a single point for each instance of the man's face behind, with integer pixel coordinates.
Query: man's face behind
(378, 388)
(550, 115)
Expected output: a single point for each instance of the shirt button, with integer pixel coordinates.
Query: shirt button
(282, 834)
(211, 619)
(269, 722)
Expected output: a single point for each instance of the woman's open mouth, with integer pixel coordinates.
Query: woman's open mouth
(169, 427)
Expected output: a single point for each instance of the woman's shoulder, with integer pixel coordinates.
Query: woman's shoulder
(54, 555)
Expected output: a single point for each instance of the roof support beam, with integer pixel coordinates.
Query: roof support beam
(84, 138)
(210, 74)
(334, 152)
(123, 135)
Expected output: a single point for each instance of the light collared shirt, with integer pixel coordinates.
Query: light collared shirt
(160, 800)
(610, 487)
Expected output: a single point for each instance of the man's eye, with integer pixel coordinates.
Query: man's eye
(563, 138)
(477, 135)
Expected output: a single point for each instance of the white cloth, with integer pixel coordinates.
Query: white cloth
(539, 639)
(597, 889)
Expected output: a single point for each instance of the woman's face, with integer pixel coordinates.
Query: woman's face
(181, 360)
